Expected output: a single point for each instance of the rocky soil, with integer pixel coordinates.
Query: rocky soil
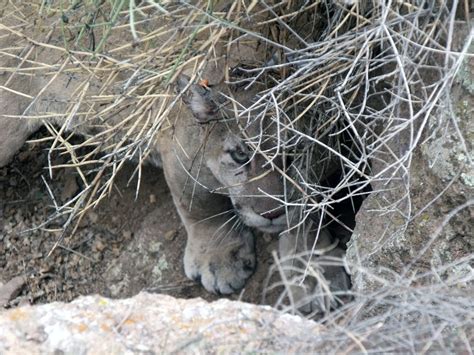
(125, 245)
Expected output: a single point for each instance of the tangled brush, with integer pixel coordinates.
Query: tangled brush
(346, 82)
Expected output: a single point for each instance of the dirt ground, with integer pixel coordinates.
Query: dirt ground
(123, 246)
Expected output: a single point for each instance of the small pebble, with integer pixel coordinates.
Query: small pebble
(99, 245)
(170, 235)
(93, 217)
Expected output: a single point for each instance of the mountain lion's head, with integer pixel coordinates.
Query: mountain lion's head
(250, 177)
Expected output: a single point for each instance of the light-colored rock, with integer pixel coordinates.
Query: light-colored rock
(151, 323)
(11, 289)
(422, 219)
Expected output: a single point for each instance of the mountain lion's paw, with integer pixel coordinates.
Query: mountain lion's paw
(222, 268)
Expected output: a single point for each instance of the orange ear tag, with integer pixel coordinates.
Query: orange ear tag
(204, 83)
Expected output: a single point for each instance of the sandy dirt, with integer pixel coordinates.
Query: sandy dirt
(125, 245)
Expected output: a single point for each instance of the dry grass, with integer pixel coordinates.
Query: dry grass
(345, 83)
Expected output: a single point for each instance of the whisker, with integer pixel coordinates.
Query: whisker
(213, 216)
(215, 235)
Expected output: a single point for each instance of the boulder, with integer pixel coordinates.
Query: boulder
(153, 323)
(420, 216)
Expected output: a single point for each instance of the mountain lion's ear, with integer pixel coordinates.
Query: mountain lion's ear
(198, 98)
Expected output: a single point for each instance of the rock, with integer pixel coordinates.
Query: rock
(11, 289)
(421, 220)
(171, 234)
(141, 260)
(98, 245)
(93, 217)
(155, 323)
(150, 323)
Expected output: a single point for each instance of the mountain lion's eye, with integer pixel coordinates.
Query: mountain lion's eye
(239, 156)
